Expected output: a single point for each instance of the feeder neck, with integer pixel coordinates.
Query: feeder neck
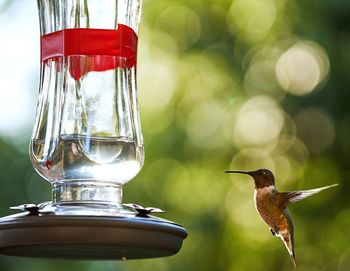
(87, 192)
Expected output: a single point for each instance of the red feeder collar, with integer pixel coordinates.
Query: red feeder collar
(106, 49)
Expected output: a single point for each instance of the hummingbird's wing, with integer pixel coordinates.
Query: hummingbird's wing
(286, 198)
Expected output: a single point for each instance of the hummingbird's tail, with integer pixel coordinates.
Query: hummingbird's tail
(288, 240)
(294, 262)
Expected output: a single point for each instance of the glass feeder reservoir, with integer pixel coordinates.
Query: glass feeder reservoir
(87, 141)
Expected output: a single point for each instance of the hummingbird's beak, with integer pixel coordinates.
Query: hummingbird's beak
(240, 172)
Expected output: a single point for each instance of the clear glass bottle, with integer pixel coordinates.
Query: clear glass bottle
(87, 139)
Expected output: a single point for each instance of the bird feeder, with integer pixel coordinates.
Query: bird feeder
(87, 141)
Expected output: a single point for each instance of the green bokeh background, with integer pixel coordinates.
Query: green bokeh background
(229, 84)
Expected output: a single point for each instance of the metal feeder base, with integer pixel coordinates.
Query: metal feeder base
(89, 237)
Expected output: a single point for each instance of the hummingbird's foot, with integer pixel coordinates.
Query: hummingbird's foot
(273, 232)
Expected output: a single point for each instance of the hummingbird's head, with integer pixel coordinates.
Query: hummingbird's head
(262, 177)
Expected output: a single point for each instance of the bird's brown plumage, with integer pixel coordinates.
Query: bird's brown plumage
(276, 216)
(272, 205)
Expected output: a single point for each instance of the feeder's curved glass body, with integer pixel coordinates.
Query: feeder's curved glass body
(87, 139)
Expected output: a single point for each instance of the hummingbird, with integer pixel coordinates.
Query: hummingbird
(272, 205)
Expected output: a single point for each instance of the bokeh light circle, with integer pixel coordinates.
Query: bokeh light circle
(315, 128)
(302, 67)
(259, 121)
(253, 17)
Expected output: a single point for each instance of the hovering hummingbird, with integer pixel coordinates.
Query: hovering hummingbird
(272, 205)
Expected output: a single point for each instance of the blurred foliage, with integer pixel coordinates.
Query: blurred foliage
(231, 84)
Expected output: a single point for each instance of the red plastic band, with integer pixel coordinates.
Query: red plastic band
(106, 49)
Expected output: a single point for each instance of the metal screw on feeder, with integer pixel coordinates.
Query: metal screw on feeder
(87, 141)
